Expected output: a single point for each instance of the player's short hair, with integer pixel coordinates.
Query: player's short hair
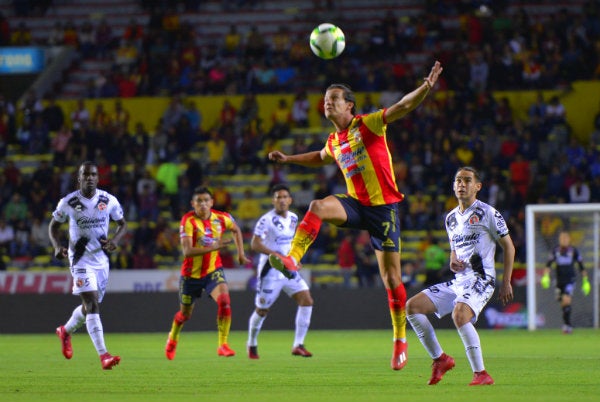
(476, 173)
(202, 190)
(86, 164)
(279, 187)
(348, 94)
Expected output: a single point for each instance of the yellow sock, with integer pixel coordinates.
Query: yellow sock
(306, 234)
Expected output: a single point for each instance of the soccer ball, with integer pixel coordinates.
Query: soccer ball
(327, 41)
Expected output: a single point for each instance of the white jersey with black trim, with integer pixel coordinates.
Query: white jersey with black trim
(276, 232)
(474, 232)
(89, 220)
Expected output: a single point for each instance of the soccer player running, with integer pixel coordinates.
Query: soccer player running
(563, 257)
(474, 228)
(359, 148)
(201, 232)
(273, 233)
(89, 211)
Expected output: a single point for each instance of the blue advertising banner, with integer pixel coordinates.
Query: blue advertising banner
(21, 60)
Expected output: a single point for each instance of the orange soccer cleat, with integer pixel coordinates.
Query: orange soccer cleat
(170, 349)
(439, 367)
(65, 340)
(399, 356)
(284, 264)
(225, 350)
(108, 361)
(253, 352)
(482, 378)
(300, 350)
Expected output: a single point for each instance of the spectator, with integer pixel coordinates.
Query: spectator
(21, 246)
(300, 109)
(579, 191)
(7, 236)
(347, 258)
(167, 177)
(15, 210)
(142, 259)
(40, 240)
(435, 260)
(248, 210)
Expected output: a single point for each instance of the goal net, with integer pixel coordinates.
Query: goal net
(542, 225)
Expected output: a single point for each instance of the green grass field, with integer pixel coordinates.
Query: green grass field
(347, 366)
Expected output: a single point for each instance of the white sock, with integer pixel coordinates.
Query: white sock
(470, 339)
(426, 334)
(76, 321)
(302, 323)
(96, 332)
(254, 325)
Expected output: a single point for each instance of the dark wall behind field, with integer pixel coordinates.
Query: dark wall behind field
(153, 312)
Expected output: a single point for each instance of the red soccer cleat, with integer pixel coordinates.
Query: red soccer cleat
(482, 378)
(108, 361)
(439, 367)
(300, 350)
(65, 340)
(225, 350)
(170, 349)
(253, 352)
(284, 264)
(400, 356)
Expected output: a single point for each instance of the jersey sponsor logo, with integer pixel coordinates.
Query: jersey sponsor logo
(76, 204)
(465, 240)
(85, 222)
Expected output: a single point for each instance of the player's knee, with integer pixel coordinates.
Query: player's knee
(262, 312)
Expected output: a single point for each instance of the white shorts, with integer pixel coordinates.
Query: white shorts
(87, 279)
(271, 285)
(472, 290)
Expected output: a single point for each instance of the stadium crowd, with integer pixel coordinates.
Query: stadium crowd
(532, 161)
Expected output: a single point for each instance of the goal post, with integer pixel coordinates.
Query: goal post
(583, 220)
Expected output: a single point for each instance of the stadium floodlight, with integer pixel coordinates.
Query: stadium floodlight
(542, 222)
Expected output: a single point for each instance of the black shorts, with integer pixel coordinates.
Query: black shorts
(191, 289)
(381, 221)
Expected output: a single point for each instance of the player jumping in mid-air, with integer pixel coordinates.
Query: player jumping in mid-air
(359, 147)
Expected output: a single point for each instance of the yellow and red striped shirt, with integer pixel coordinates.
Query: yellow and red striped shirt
(362, 154)
(204, 233)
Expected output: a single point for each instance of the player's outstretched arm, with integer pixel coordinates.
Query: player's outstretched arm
(309, 159)
(410, 101)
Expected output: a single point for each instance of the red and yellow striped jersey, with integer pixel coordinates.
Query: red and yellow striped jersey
(204, 233)
(362, 154)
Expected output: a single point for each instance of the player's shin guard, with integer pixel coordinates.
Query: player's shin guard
(305, 235)
(177, 325)
(96, 332)
(223, 317)
(397, 304)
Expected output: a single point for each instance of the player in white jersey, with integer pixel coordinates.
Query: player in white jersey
(89, 211)
(273, 233)
(474, 228)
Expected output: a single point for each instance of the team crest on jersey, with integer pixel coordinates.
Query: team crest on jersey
(357, 134)
(476, 216)
(102, 203)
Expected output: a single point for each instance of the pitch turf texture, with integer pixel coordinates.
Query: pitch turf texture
(347, 366)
